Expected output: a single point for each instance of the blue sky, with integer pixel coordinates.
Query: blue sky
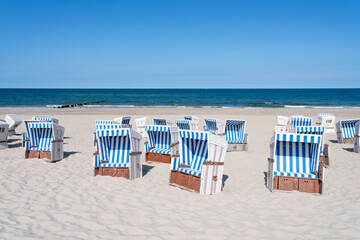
(191, 44)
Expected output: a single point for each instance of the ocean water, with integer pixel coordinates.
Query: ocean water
(198, 98)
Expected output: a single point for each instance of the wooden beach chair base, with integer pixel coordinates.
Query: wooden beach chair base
(232, 147)
(158, 157)
(299, 184)
(113, 172)
(38, 154)
(185, 181)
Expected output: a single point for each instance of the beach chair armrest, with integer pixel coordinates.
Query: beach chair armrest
(270, 160)
(213, 163)
(55, 141)
(146, 142)
(174, 144)
(135, 153)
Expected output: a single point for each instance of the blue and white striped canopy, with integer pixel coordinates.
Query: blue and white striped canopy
(43, 119)
(348, 128)
(193, 135)
(210, 125)
(183, 124)
(297, 121)
(159, 138)
(316, 131)
(235, 131)
(305, 138)
(114, 147)
(194, 150)
(40, 134)
(126, 120)
(159, 121)
(112, 133)
(108, 126)
(188, 117)
(103, 122)
(157, 128)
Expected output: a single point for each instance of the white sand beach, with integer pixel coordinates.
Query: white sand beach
(63, 200)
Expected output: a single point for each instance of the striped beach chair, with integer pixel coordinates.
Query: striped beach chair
(124, 121)
(294, 163)
(200, 165)
(299, 121)
(45, 140)
(4, 128)
(13, 122)
(45, 119)
(104, 127)
(214, 126)
(186, 125)
(162, 143)
(235, 135)
(140, 125)
(162, 122)
(357, 138)
(324, 148)
(194, 120)
(119, 153)
(282, 123)
(345, 130)
(326, 120)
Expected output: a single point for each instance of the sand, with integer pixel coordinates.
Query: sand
(63, 200)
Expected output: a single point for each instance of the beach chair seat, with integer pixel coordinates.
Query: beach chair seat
(282, 123)
(124, 121)
(162, 122)
(199, 166)
(13, 122)
(119, 153)
(345, 130)
(357, 138)
(326, 120)
(324, 148)
(140, 126)
(45, 140)
(294, 163)
(235, 135)
(299, 121)
(162, 143)
(4, 128)
(45, 119)
(214, 126)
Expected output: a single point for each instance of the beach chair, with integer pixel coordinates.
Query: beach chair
(162, 122)
(326, 120)
(200, 165)
(357, 138)
(13, 122)
(294, 163)
(299, 121)
(324, 148)
(282, 123)
(345, 130)
(186, 125)
(124, 121)
(162, 143)
(119, 153)
(98, 122)
(140, 125)
(194, 120)
(45, 119)
(235, 135)
(45, 140)
(214, 126)
(4, 128)
(104, 127)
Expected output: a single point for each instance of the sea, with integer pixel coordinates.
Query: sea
(181, 98)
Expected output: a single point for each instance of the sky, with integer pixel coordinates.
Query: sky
(179, 44)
